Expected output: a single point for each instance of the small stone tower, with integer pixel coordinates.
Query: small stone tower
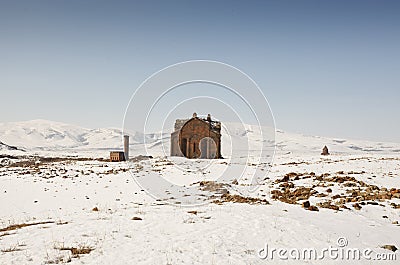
(325, 151)
(126, 147)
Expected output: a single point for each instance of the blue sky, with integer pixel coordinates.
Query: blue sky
(328, 68)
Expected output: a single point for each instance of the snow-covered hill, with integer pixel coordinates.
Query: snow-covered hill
(43, 135)
(114, 214)
(49, 134)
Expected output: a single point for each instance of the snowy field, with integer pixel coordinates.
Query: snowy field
(62, 203)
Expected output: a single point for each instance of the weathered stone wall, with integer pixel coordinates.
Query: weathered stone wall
(175, 150)
(179, 123)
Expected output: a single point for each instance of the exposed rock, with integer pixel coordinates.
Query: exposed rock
(344, 207)
(395, 205)
(313, 208)
(9, 147)
(285, 179)
(286, 185)
(350, 184)
(306, 204)
(288, 196)
(240, 199)
(213, 186)
(328, 205)
(390, 247)
(288, 176)
(9, 156)
(355, 191)
(140, 158)
(340, 179)
(395, 193)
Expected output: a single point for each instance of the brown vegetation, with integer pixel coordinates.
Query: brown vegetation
(240, 199)
(357, 192)
(18, 226)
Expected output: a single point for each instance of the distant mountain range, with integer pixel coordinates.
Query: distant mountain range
(49, 135)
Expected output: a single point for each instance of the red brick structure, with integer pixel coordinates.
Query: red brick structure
(196, 138)
(117, 156)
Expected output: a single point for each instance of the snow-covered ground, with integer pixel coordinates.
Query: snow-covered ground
(89, 211)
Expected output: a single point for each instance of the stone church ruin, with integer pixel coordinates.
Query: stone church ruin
(196, 138)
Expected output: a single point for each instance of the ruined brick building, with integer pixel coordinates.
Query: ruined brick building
(196, 138)
(117, 156)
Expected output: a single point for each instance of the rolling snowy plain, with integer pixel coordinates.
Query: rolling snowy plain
(63, 202)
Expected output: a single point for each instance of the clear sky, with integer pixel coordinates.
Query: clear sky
(329, 68)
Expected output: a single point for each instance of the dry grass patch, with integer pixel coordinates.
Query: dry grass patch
(82, 249)
(6, 234)
(58, 260)
(19, 226)
(79, 250)
(13, 248)
(240, 199)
